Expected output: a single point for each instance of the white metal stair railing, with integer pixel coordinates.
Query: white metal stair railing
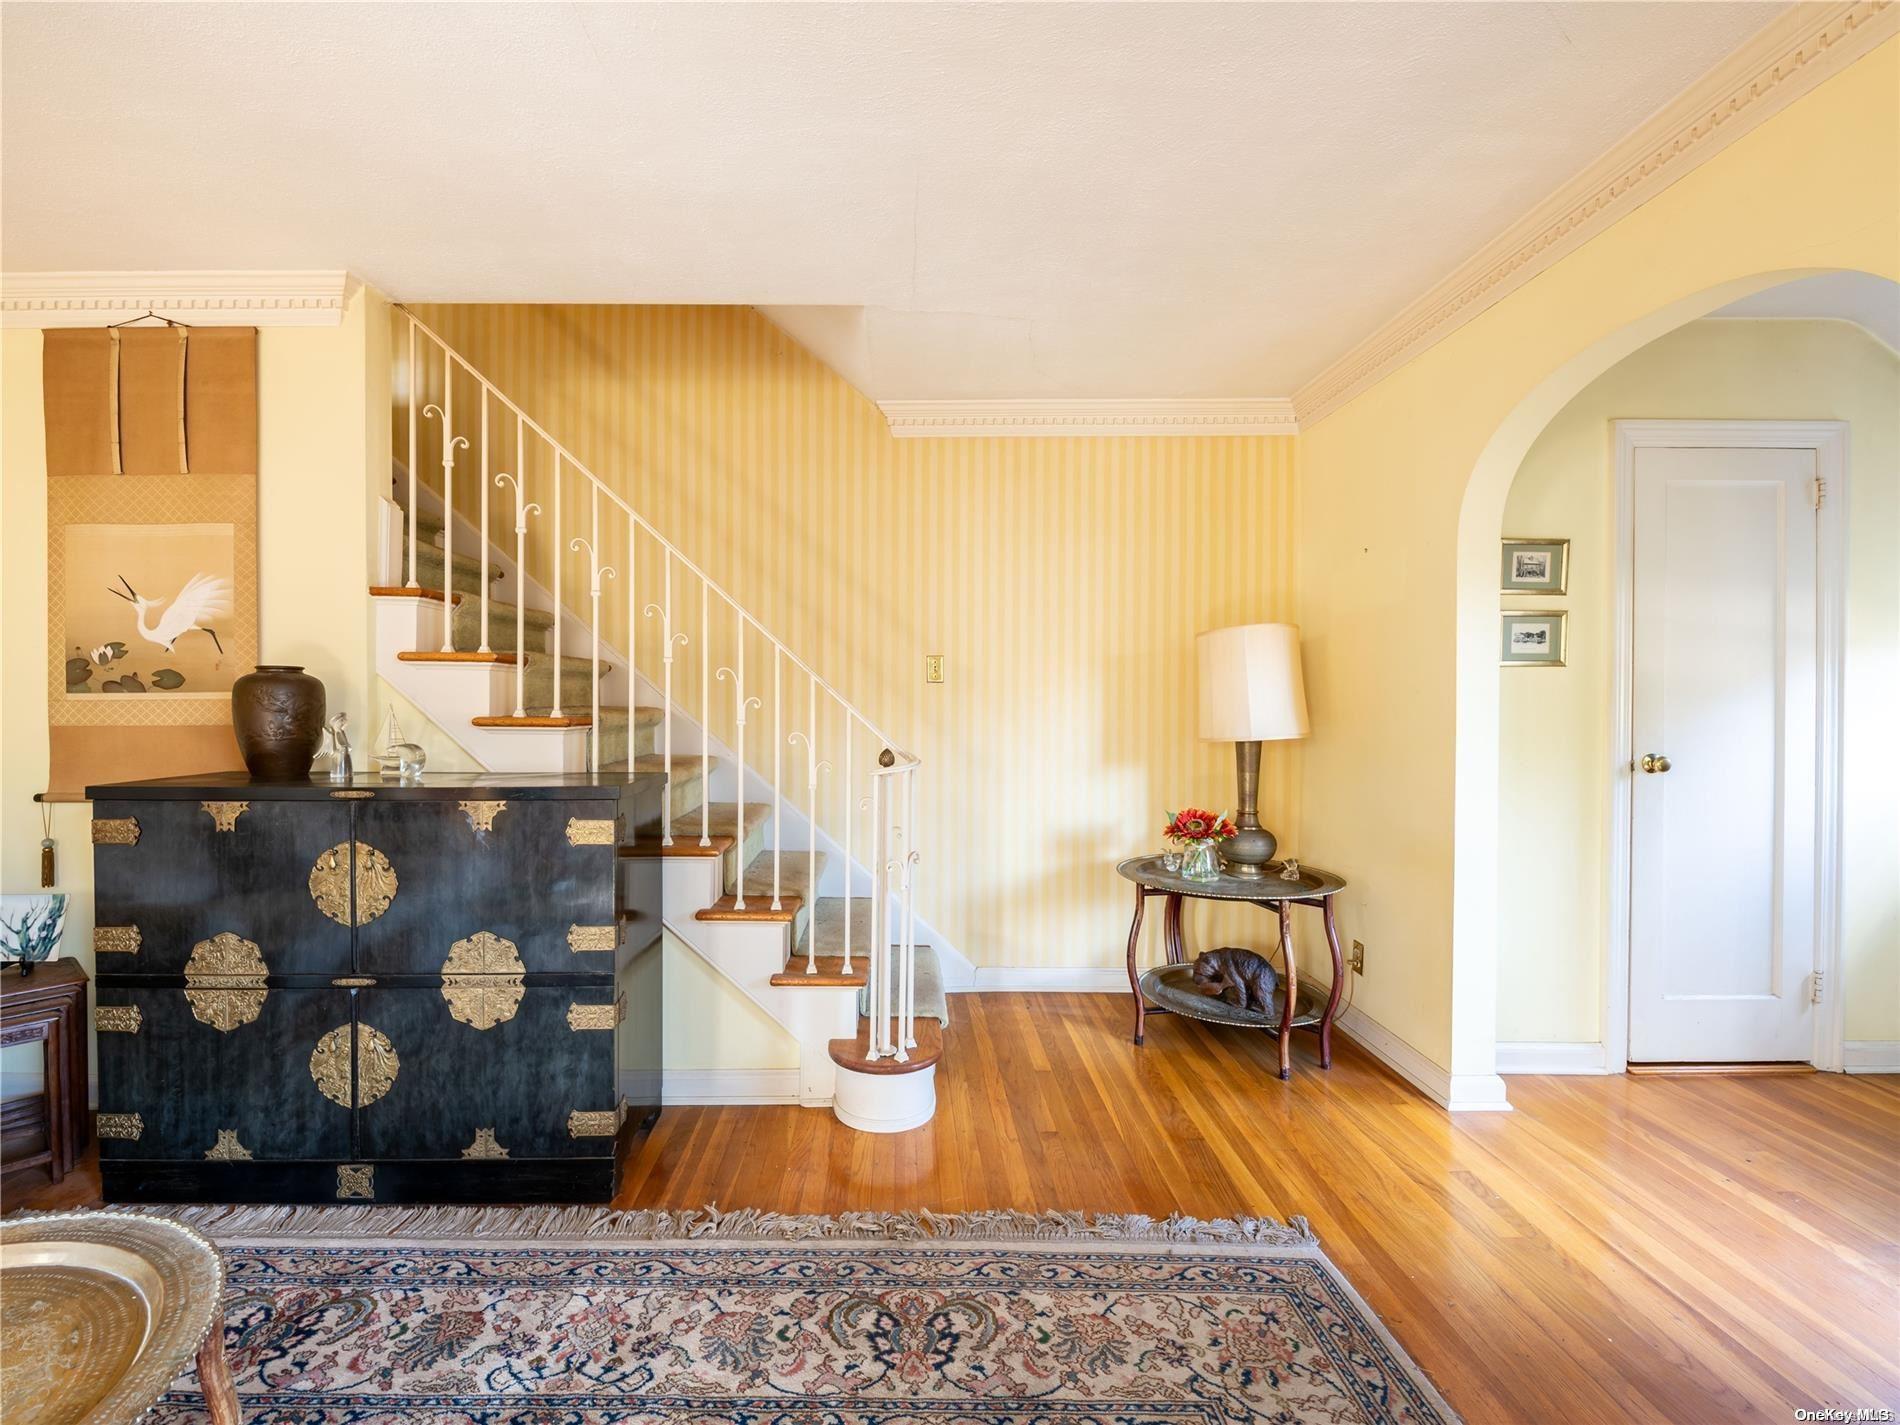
(891, 804)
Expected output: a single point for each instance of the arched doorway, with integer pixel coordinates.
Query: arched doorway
(1477, 790)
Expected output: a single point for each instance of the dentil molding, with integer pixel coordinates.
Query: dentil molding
(1270, 415)
(1793, 55)
(208, 299)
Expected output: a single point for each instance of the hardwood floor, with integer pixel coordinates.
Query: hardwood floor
(1683, 1249)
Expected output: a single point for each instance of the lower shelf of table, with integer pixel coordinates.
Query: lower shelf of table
(1169, 988)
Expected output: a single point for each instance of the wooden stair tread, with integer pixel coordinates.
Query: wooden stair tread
(830, 973)
(855, 1053)
(724, 833)
(403, 591)
(757, 908)
(795, 878)
(532, 720)
(610, 717)
(681, 847)
(536, 661)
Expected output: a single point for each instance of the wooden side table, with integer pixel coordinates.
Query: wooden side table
(49, 1006)
(1314, 888)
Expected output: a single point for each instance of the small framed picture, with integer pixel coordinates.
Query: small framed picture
(1536, 566)
(1533, 638)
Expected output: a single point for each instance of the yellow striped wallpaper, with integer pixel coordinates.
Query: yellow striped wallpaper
(1063, 580)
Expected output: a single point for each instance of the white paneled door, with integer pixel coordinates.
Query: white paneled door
(1723, 716)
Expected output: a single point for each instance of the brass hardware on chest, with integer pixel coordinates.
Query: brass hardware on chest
(481, 815)
(117, 1018)
(125, 1126)
(582, 938)
(352, 796)
(330, 882)
(356, 1180)
(582, 831)
(353, 982)
(115, 940)
(593, 1123)
(224, 815)
(484, 1146)
(376, 1065)
(482, 980)
(227, 1149)
(593, 1016)
(115, 831)
(224, 981)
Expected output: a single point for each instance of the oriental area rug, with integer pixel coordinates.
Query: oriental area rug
(533, 1316)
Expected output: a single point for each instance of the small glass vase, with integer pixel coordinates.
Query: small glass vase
(1201, 862)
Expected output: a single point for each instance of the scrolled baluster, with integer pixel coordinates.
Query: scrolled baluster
(778, 797)
(668, 641)
(705, 720)
(812, 768)
(522, 511)
(415, 381)
(596, 571)
(449, 442)
(483, 489)
(740, 703)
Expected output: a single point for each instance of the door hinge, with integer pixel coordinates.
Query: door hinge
(1814, 994)
(1817, 490)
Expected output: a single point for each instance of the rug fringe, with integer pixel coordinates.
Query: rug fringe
(711, 1224)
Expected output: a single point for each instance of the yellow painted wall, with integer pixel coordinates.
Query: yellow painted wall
(320, 401)
(1391, 565)
(1555, 724)
(1063, 579)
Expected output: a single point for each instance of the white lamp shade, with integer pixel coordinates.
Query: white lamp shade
(1251, 687)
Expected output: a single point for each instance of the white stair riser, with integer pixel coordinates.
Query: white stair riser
(884, 1103)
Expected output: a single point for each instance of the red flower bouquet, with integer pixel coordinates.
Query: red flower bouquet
(1191, 824)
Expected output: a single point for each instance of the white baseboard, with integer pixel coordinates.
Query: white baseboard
(730, 1086)
(1465, 1093)
(1539, 1057)
(1872, 1056)
(1035, 979)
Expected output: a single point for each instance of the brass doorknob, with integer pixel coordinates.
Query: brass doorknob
(1655, 762)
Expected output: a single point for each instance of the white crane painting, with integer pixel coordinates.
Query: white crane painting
(190, 610)
(154, 610)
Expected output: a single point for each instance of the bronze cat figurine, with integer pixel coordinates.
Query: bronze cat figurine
(1240, 977)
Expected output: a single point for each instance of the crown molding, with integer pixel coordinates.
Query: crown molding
(1786, 60)
(1247, 415)
(211, 299)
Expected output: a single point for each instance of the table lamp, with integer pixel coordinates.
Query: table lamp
(1251, 692)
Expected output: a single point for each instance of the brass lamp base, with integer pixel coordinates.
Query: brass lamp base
(1247, 855)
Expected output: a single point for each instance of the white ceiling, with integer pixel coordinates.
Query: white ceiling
(944, 200)
(1859, 297)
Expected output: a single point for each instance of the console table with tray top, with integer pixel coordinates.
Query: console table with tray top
(1167, 989)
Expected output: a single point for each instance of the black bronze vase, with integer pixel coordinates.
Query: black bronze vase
(278, 712)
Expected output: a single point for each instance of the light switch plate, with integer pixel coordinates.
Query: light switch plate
(933, 667)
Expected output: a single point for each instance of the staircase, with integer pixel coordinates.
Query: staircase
(814, 922)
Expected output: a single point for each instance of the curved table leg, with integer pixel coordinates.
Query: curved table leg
(214, 1379)
(1177, 950)
(1332, 1000)
(1292, 988)
(1134, 977)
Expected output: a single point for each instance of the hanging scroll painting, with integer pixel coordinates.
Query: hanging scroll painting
(151, 454)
